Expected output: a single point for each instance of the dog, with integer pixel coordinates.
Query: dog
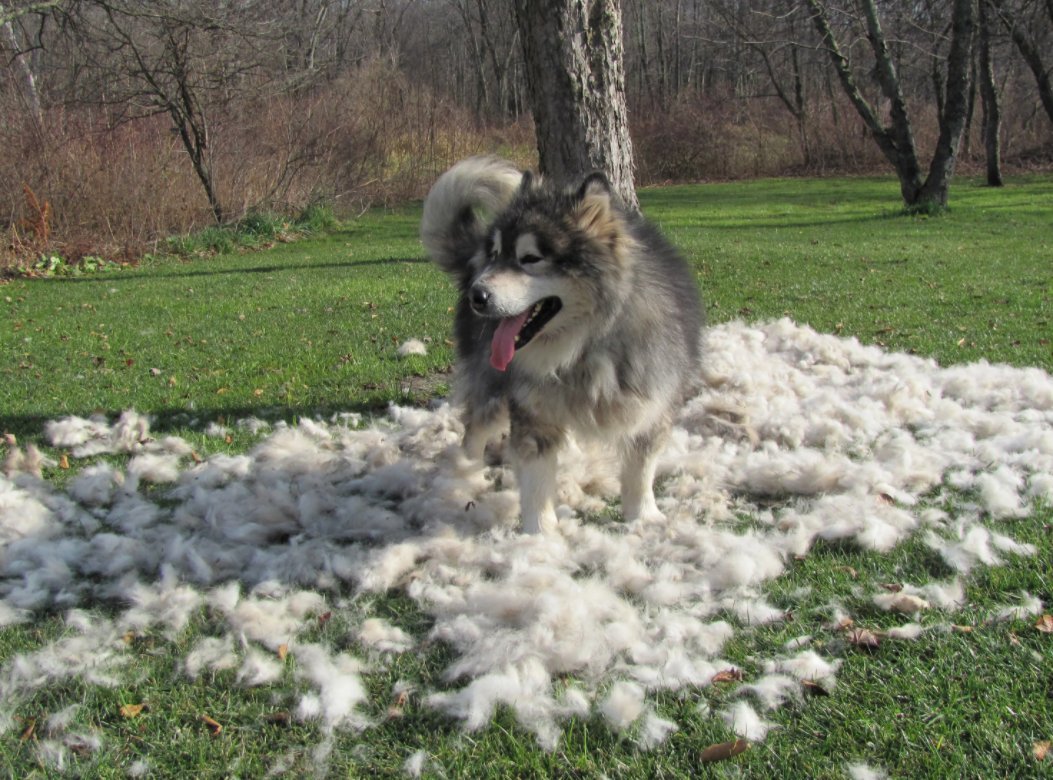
(575, 317)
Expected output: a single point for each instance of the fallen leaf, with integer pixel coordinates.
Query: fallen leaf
(1045, 624)
(861, 637)
(892, 587)
(324, 618)
(909, 604)
(278, 718)
(214, 726)
(728, 675)
(132, 710)
(723, 751)
(962, 629)
(63, 462)
(283, 651)
(1041, 749)
(29, 731)
(397, 708)
(812, 688)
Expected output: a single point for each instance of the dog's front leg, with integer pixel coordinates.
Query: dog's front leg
(535, 447)
(639, 462)
(537, 490)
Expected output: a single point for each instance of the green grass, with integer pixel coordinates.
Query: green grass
(312, 327)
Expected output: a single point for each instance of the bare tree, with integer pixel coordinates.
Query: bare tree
(573, 55)
(896, 140)
(182, 58)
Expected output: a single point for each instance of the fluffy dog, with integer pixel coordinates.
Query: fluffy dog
(575, 316)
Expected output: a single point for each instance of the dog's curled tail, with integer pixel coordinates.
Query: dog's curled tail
(458, 205)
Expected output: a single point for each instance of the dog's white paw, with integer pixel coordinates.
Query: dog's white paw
(648, 516)
(645, 510)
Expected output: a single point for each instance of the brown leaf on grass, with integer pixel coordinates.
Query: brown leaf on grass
(962, 629)
(29, 731)
(131, 710)
(861, 637)
(723, 751)
(214, 726)
(892, 587)
(1045, 624)
(63, 462)
(812, 688)
(281, 718)
(324, 618)
(398, 706)
(1040, 750)
(283, 651)
(908, 604)
(728, 675)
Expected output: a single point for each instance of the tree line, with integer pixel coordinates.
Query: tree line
(133, 119)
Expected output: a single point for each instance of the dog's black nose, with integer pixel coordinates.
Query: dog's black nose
(480, 298)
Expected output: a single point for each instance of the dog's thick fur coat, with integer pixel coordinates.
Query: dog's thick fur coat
(575, 317)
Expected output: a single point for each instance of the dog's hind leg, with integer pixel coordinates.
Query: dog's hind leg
(535, 448)
(639, 461)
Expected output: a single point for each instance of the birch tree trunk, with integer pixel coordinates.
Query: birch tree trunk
(26, 77)
(573, 53)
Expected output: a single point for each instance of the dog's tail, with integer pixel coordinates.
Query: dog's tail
(460, 203)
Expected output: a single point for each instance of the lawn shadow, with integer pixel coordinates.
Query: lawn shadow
(198, 272)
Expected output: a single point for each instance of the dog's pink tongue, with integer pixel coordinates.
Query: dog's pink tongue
(503, 347)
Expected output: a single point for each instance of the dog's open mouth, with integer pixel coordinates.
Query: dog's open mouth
(516, 332)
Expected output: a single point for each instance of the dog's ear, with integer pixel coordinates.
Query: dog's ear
(594, 212)
(596, 184)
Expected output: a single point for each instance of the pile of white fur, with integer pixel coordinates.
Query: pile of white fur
(795, 437)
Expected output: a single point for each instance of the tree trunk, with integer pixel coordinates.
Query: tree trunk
(27, 79)
(1029, 50)
(952, 119)
(573, 55)
(989, 100)
(897, 140)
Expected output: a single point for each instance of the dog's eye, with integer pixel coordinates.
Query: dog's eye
(530, 259)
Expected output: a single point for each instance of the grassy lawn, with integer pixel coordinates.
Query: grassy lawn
(313, 327)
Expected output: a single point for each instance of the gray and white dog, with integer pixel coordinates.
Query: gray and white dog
(575, 317)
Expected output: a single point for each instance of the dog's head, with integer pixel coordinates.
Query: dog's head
(548, 262)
